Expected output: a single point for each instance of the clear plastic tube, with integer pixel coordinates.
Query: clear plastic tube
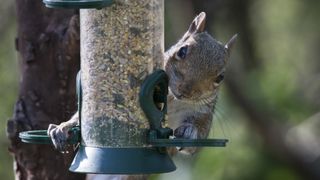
(120, 46)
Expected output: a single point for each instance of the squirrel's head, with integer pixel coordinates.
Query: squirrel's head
(196, 64)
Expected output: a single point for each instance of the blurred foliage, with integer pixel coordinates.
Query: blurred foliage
(285, 38)
(8, 94)
(285, 35)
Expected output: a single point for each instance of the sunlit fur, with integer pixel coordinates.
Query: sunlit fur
(193, 78)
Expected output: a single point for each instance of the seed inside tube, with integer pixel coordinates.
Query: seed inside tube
(120, 46)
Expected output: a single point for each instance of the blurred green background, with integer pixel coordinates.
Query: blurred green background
(275, 62)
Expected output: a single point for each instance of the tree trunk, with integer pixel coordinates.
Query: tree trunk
(48, 46)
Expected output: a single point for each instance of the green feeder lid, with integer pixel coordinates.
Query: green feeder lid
(77, 4)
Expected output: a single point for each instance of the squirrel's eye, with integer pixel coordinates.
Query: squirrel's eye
(219, 78)
(182, 53)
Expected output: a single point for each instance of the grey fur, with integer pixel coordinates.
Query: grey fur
(192, 81)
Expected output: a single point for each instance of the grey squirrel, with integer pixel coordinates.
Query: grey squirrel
(195, 66)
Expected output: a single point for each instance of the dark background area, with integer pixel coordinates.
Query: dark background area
(268, 106)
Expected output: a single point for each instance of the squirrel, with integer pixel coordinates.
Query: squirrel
(195, 66)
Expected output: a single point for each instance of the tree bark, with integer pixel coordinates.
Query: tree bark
(48, 46)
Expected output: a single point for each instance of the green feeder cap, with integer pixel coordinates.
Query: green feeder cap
(77, 4)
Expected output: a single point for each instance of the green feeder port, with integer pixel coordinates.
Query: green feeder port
(77, 4)
(154, 91)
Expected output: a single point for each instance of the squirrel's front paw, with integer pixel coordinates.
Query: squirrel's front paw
(59, 136)
(187, 131)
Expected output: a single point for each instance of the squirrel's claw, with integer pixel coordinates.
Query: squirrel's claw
(59, 136)
(186, 131)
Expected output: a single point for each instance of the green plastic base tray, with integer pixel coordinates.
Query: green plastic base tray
(121, 161)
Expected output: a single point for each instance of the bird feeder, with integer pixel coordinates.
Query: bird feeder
(120, 90)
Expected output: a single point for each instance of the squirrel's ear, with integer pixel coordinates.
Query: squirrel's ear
(230, 43)
(198, 24)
